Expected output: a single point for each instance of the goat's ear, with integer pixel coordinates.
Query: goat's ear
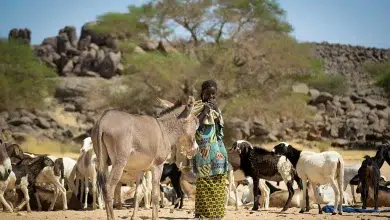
(245, 146)
(1, 141)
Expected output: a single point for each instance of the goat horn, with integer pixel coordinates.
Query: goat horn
(250, 145)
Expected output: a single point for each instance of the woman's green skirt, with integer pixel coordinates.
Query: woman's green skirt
(210, 196)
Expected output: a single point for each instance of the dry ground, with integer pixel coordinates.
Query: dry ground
(241, 214)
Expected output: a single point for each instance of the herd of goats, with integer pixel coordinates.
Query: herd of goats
(25, 176)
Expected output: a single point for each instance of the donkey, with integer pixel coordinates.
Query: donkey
(136, 143)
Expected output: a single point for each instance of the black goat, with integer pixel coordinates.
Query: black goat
(382, 155)
(174, 174)
(259, 163)
(368, 175)
(30, 171)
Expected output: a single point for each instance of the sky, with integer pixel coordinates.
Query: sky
(356, 22)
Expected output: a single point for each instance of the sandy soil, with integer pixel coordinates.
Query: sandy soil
(187, 213)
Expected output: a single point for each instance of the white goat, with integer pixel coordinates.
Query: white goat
(232, 186)
(350, 171)
(319, 169)
(85, 170)
(86, 166)
(144, 190)
(327, 196)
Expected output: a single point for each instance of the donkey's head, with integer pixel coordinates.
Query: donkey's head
(87, 145)
(190, 124)
(5, 162)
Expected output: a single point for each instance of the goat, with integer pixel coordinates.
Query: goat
(318, 168)
(232, 186)
(48, 175)
(327, 196)
(261, 163)
(5, 173)
(383, 193)
(65, 166)
(369, 175)
(26, 176)
(143, 191)
(174, 174)
(86, 166)
(350, 171)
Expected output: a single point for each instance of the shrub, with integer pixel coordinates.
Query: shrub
(268, 105)
(23, 79)
(381, 73)
(334, 84)
(151, 75)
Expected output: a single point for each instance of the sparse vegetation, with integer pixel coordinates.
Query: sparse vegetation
(245, 47)
(316, 78)
(334, 84)
(23, 79)
(381, 72)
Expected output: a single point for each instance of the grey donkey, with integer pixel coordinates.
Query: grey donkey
(136, 143)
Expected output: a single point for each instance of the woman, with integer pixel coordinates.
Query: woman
(211, 161)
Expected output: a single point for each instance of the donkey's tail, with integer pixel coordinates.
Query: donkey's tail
(101, 157)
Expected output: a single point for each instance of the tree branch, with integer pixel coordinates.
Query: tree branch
(219, 35)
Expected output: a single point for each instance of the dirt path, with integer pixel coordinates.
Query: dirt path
(186, 213)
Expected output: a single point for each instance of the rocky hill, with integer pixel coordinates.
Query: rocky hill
(93, 61)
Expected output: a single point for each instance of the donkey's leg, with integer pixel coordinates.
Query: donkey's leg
(113, 180)
(117, 204)
(156, 175)
(94, 193)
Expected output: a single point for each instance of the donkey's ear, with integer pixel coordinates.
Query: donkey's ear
(165, 103)
(188, 109)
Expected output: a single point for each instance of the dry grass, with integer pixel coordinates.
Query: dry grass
(64, 118)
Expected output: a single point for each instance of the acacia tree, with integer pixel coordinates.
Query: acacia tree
(216, 20)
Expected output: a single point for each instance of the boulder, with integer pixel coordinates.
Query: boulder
(300, 88)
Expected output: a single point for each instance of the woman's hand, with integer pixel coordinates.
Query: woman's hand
(213, 104)
(206, 108)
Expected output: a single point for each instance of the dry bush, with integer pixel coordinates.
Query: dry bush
(381, 73)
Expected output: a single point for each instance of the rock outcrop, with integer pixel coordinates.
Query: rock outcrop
(91, 55)
(23, 34)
